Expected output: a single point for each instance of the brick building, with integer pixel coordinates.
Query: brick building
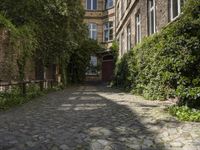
(100, 18)
(136, 19)
(127, 21)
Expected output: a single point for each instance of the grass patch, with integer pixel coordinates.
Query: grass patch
(185, 113)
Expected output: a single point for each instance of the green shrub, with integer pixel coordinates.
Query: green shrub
(14, 97)
(185, 113)
(167, 64)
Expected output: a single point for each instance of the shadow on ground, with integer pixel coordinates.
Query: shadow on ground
(76, 118)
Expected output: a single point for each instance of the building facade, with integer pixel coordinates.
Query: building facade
(100, 18)
(136, 19)
(128, 21)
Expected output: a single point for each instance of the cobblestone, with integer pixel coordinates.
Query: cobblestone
(95, 118)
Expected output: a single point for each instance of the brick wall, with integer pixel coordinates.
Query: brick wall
(129, 17)
(100, 17)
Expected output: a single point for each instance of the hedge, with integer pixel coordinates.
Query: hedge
(167, 64)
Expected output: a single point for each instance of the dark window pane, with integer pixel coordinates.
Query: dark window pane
(106, 35)
(175, 8)
(152, 22)
(89, 4)
(94, 4)
(111, 34)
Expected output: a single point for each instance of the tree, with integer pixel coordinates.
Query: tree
(57, 26)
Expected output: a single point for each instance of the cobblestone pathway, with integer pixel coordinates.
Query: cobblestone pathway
(96, 118)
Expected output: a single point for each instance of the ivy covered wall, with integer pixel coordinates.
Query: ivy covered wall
(167, 64)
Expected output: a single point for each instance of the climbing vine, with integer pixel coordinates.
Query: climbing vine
(50, 32)
(166, 65)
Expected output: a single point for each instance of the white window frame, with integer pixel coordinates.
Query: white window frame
(92, 7)
(138, 28)
(152, 9)
(108, 28)
(91, 30)
(172, 10)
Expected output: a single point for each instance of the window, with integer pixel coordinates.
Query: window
(122, 44)
(109, 3)
(91, 4)
(138, 27)
(175, 8)
(93, 31)
(151, 17)
(108, 31)
(92, 69)
(128, 2)
(129, 37)
(122, 8)
(117, 14)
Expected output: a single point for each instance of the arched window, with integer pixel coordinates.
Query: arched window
(92, 31)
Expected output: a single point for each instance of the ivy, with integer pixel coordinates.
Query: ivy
(51, 32)
(166, 65)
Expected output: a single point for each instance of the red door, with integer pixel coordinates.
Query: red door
(107, 70)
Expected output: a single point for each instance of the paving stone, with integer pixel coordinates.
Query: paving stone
(148, 142)
(30, 144)
(64, 147)
(176, 144)
(134, 146)
(95, 145)
(97, 118)
(190, 147)
(103, 142)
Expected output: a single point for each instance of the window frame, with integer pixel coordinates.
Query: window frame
(138, 28)
(118, 15)
(150, 11)
(129, 37)
(107, 2)
(91, 30)
(108, 28)
(92, 6)
(122, 43)
(180, 3)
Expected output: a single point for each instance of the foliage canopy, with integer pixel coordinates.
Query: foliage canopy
(50, 30)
